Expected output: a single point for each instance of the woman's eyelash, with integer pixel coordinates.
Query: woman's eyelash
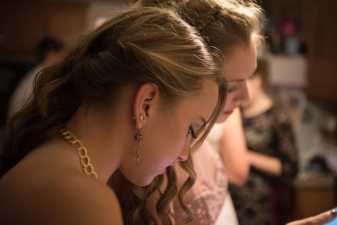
(231, 88)
(192, 132)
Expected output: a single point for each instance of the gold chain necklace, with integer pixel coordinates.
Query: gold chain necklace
(85, 161)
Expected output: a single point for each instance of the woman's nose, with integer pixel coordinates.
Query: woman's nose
(184, 155)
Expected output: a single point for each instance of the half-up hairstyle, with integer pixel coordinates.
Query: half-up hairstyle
(223, 25)
(146, 45)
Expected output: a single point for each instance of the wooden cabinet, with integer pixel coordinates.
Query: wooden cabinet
(317, 22)
(314, 194)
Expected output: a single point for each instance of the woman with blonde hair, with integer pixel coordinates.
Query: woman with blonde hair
(231, 30)
(100, 111)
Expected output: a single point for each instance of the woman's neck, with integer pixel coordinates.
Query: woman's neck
(103, 141)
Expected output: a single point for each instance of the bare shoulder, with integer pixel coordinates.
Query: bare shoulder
(95, 200)
(61, 200)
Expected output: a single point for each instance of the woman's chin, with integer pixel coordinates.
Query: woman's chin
(149, 180)
(143, 182)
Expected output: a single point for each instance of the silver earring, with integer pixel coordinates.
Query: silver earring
(142, 117)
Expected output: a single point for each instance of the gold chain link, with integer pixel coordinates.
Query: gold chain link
(85, 161)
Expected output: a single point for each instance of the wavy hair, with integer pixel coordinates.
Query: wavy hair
(223, 25)
(146, 45)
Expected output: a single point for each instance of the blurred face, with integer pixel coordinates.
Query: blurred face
(54, 57)
(169, 132)
(239, 65)
(255, 89)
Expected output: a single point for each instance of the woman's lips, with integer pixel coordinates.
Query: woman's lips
(228, 112)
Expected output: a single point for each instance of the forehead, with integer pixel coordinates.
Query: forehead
(240, 62)
(202, 104)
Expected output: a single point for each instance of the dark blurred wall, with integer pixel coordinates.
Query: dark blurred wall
(24, 23)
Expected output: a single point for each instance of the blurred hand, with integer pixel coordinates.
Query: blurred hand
(320, 219)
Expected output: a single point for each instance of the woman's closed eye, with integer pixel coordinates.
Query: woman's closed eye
(232, 86)
(191, 132)
(235, 85)
(194, 130)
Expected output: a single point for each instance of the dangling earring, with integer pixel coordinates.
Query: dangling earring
(138, 138)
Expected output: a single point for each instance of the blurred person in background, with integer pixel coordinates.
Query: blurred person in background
(272, 157)
(48, 51)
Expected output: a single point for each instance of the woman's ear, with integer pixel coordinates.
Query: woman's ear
(146, 101)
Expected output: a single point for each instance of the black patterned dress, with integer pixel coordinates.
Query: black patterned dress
(259, 201)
